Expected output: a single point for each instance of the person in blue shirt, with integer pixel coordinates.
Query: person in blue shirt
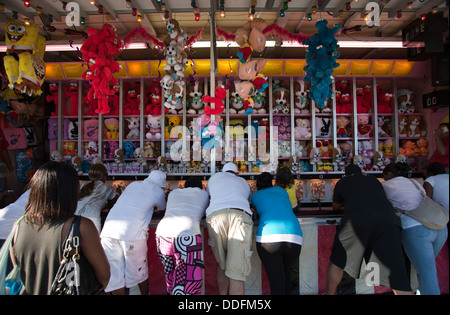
(279, 236)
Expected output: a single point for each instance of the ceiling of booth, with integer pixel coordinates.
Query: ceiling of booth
(295, 20)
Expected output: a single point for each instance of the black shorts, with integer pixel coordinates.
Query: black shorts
(378, 243)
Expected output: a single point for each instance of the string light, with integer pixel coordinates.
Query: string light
(26, 21)
(281, 12)
(341, 14)
(82, 20)
(139, 18)
(27, 3)
(15, 16)
(314, 10)
(399, 14)
(107, 16)
(100, 9)
(347, 6)
(410, 5)
(197, 17)
(309, 17)
(133, 12)
(285, 6)
(92, 2)
(163, 7)
(422, 17)
(166, 15)
(38, 10)
(222, 8)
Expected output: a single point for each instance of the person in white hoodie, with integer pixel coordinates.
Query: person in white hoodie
(125, 232)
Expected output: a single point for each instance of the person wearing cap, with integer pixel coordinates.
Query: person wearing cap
(125, 232)
(369, 230)
(230, 224)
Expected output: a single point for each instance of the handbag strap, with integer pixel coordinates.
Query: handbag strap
(418, 187)
(73, 237)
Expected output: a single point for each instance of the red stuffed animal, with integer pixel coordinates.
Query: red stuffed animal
(220, 95)
(384, 103)
(71, 92)
(52, 97)
(362, 106)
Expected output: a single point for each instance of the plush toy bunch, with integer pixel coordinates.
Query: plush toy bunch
(99, 50)
(24, 64)
(321, 61)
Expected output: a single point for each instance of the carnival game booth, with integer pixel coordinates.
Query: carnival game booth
(376, 117)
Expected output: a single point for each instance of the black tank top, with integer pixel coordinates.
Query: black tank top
(38, 253)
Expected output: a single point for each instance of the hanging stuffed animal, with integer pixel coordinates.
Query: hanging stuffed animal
(71, 93)
(321, 61)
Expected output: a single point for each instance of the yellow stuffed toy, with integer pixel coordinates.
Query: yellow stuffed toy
(20, 37)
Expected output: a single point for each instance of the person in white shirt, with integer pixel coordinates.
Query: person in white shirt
(422, 245)
(230, 224)
(436, 184)
(125, 232)
(179, 240)
(10, 214)
(95, 195)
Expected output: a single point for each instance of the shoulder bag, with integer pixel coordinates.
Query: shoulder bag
(75, 275)
(429, 213)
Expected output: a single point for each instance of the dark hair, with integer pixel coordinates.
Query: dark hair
(387, 169)
(400, 169)
(264, 181)
(352, 169)
(97, 172)
(435, 168)
(284, 177)
(194, 182)
(53, 193)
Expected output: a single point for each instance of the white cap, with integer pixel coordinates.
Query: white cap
(230, 166)
(157, 178)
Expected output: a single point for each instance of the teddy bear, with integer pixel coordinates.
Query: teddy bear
(219, 95)
(300, 148)
(416, 126)
(281, 104)
(133, 126)
(149, 150)
(342, 123)
(302, 128)
(403, 126)
(364, 128)
(284, 149)
(172, 122)
(154, 125)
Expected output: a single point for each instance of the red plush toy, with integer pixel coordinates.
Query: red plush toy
(384, 103)
(92, 105)
(344, 106)
(220, 95)
(99, 49)
(71, 92)
(131, 106)
(153, 94)
(52, 97)
(113, 101)
(362, 106)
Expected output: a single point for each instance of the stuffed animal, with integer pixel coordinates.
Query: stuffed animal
(72, 130)
(416, 126)
(300, 148)
(246, 90)
(237, 103)
(149, 150)
(359, 160)
(131, 106)
(364, 127)
(325, 147)
(219, 96)
(281, 104)
(422, 144)
(52, 98)
(338, 160)
(381, 131)
(133, 126)
(323, 127)
(402, 126)
(56, 156)
(384, 103)
(118, 157)
(321, 60)
(362, 105)
(344, 104)
(315, 156)
(251, 71)
(172, 122)
(365, 148)
(404, 100)
(302, 128)
(154, 125)
(128, 148)
(378, 161)
(196, 103)
(76, 163)
(71, 93)
(91, 150)
(342, 123)
(260, 103)
(174, 102)
(301, 98)
(90, 129)
(139, 155)
(153, 102)
(112, 125)
(284, 149)
(113, 101)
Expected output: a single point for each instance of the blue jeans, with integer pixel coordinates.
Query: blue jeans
(422, 246)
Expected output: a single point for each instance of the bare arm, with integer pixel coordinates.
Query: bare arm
(93, 251)
(428, 189)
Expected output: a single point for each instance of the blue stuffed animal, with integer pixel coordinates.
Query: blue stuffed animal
(321, 61)
(128, 149)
